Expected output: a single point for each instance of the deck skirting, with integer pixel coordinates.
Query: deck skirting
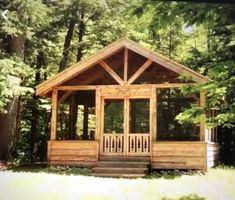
(164, 155)
(184, 155)
(73, 153)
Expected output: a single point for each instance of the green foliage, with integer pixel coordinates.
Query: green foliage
(191, 115)
(208, 47)
(24, 17)
(225, 167)
(199, 35)
(171, 174)
(65, 170)
(12, 73)
(186, 197)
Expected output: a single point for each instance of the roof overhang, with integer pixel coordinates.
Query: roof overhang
(46, 87)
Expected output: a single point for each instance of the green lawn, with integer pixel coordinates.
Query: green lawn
(216, 184)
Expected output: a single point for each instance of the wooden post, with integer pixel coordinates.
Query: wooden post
(153, 121)
(126, 124)
(54, 114)
(205, 167)
(153, 114)
(85, 121)
(125, 64)
(202, 124)
(97, 114)
(101, 123)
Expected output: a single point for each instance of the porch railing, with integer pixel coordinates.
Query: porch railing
(136, 143)
(139, 143)
(113, 143)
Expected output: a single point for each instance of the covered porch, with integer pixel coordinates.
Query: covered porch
(128, 121)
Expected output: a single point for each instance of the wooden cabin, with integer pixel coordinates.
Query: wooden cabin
(115, 111)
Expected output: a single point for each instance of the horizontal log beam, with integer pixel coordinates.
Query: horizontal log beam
(94, 87)
(80, 87)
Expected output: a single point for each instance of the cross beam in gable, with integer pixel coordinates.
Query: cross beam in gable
(111, 72)
(139, 71)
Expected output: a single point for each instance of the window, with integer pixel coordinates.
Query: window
(139, 116)
(76, 116)
(170, 103)
(113, 116)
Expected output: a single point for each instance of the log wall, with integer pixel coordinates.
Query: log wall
(73, 153)
(179, 155)
(165, 155)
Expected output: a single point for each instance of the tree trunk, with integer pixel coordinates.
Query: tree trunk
(34, 109)
(9, 120)
(73, 112)
(81, 33)
(67, 43)
(85, 121)
(170, 45)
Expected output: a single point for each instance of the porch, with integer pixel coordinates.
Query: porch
(117, 136)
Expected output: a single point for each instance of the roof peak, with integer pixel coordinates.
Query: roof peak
(107, 51)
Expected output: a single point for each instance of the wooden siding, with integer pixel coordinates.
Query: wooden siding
(73, 153)
(179, 155)
(212, 154)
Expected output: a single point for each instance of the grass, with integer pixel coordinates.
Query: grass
(28, 183)
(62, 170)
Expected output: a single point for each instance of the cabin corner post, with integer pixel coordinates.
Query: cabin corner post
(202, 123)
(153, 122)
(205, 168)
(54, 113)
(153, 114)
(98, 113)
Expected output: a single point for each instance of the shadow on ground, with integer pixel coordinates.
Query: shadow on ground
(66, 170)
(172, 174)
(187, 197)
(62, 170)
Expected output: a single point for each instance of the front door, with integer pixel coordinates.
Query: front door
(125, 128)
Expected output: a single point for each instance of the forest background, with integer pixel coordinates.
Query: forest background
(42, 37)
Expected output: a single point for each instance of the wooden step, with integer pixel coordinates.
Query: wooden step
(122, 164)
(121, 168)
(133, 170)
(119, 175)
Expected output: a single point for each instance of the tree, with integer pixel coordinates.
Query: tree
(24, 17)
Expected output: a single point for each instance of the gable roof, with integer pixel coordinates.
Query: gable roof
(81, 66)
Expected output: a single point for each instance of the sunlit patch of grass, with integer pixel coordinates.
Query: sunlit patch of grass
(217, 184)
